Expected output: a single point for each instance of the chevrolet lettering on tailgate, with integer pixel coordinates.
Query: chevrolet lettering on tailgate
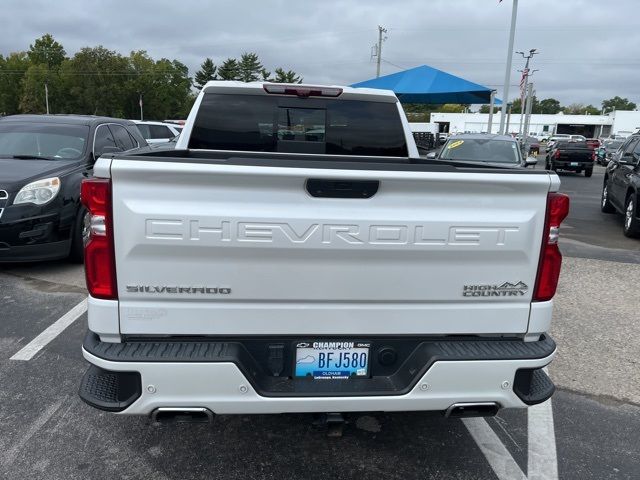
(327, 234)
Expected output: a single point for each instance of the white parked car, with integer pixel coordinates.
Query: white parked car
(157, 132)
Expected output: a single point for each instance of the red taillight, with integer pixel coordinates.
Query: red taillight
(550, 256)
(99, 257)
(593, 155)
(557, 154)
(304, 92)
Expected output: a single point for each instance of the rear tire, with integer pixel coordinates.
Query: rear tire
(76, 255)
(605, 204)
(631, 223)
(588, 172)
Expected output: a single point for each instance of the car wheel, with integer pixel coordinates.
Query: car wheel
(588, 172)
(605, 204)
(80, 235)
(631, 223)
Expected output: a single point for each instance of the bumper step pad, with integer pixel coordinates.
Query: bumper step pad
(110, 391)
(533, 386)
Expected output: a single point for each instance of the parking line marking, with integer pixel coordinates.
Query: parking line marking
(501, 461)
(542, 461)
(10, 455)
(34, 346)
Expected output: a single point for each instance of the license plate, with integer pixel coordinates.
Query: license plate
(332, 359)
(574, 164)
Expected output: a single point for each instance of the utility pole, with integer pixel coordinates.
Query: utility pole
(507, 73)
(523, 91)
(378, 48)
(46, 94)
(141, 113)
(527, 118)
(506, 130)
(491, 102)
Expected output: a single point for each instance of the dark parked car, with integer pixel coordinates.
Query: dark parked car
(43, 158)
(621, 188)
(501, 150)
(572, 156)
(608, 148)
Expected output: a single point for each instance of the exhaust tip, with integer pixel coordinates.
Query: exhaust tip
(164, 415)
(471, 409)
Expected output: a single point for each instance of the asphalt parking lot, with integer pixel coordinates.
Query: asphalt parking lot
(589, 430)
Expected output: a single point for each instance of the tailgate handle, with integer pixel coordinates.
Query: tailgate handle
(336, 188)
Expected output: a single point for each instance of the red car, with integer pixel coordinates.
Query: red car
(593, 143)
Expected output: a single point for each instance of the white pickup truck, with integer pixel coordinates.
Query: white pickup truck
(295, 254)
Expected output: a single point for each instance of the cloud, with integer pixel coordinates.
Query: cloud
(587, 49)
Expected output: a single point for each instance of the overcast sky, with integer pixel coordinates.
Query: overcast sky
(589, 49)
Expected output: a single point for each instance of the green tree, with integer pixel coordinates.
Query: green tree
(287, 77)
(164, 85)
(95, 79)
(12, 71)
(266, 76)
(549, 106)
(33, 92)
(46, 51)
(453, 108)
(228, 70)
(516, 107)
(249, 68)
(617, 103)
(45, 57)
(485, 109)
(580, 109)
(207, 72)
(171, 89)
(591, 110)
(419, 112)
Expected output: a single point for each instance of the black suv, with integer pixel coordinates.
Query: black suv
(43, 159)
(621, 188)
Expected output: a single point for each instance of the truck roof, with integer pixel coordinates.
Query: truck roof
(64, 118)
(258, 88)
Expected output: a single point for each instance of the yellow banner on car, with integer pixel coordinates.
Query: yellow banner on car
(455, 144)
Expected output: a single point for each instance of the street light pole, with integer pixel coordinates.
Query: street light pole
(491, 102)
(507, 73)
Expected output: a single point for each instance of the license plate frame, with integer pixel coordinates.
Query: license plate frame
(305, 348)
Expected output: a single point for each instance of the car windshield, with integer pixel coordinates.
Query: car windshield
(43, 140)
(481, 150)
(613, 144)
(565, 144)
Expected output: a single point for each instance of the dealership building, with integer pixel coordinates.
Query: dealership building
(591, 126)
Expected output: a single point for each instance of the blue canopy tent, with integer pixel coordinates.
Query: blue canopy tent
(426, 84)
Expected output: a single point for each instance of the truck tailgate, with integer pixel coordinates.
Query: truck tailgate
(212, 249)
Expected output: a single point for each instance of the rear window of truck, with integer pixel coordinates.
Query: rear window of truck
(280, 124)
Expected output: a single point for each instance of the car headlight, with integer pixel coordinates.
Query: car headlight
(39, 192)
